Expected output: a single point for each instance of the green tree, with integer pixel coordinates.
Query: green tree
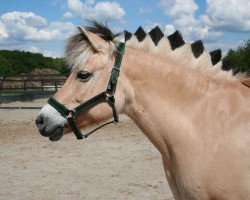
(239, 59)
(65, 69)
(17, 62)
(5, 66)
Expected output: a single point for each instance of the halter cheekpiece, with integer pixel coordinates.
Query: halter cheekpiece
(106, 96)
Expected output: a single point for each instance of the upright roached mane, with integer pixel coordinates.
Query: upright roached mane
(78, 50)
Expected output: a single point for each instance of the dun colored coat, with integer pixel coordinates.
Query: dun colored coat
(195, 114)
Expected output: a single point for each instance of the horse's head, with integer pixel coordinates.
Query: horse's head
(91, 54)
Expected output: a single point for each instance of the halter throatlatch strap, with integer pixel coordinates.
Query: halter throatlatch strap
(107, 97)
(116, 69)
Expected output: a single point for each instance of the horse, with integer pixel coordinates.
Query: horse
(195, 113)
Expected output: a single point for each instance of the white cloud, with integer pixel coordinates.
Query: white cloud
(17, 27)
(175, 8)
(64, 27)
(169, 29)
(52, 54)
(102, 11)
(185, 21)
(68, 15)
(3, 31)
(89, 2)
(108, 11)
(224, 45)
(23, 19)
(75, 6)
(33, 49)
(183, 14)
(42, 35)
(205, 33)
(46, 53)
(234, 17)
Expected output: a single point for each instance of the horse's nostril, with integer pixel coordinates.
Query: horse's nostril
(39, 120)
(41, 124)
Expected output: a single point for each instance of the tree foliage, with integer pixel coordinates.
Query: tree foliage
(239, 59)
(17, 62)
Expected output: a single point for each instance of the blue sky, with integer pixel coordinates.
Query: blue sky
(44, 26)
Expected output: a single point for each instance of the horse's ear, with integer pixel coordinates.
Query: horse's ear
(96, 42)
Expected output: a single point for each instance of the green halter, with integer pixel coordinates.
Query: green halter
(106, 96)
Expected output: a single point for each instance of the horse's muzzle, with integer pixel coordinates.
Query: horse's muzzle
(55, 133)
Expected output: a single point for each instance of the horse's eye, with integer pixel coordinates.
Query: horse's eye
(83, 75)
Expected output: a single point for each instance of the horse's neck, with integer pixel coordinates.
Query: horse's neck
(185, 114)
(161, 98)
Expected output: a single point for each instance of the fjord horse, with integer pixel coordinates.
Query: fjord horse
(195, 114)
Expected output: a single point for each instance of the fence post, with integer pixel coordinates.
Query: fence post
(42, 82)
(25, 85)
(1, 87)
(56, 86)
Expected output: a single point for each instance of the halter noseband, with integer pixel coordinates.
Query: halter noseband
(106, 96)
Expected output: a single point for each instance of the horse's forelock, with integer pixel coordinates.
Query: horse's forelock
(78, 49)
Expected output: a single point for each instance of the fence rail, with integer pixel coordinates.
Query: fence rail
(29, 87)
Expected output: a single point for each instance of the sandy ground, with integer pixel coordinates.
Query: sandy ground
(117, 162)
